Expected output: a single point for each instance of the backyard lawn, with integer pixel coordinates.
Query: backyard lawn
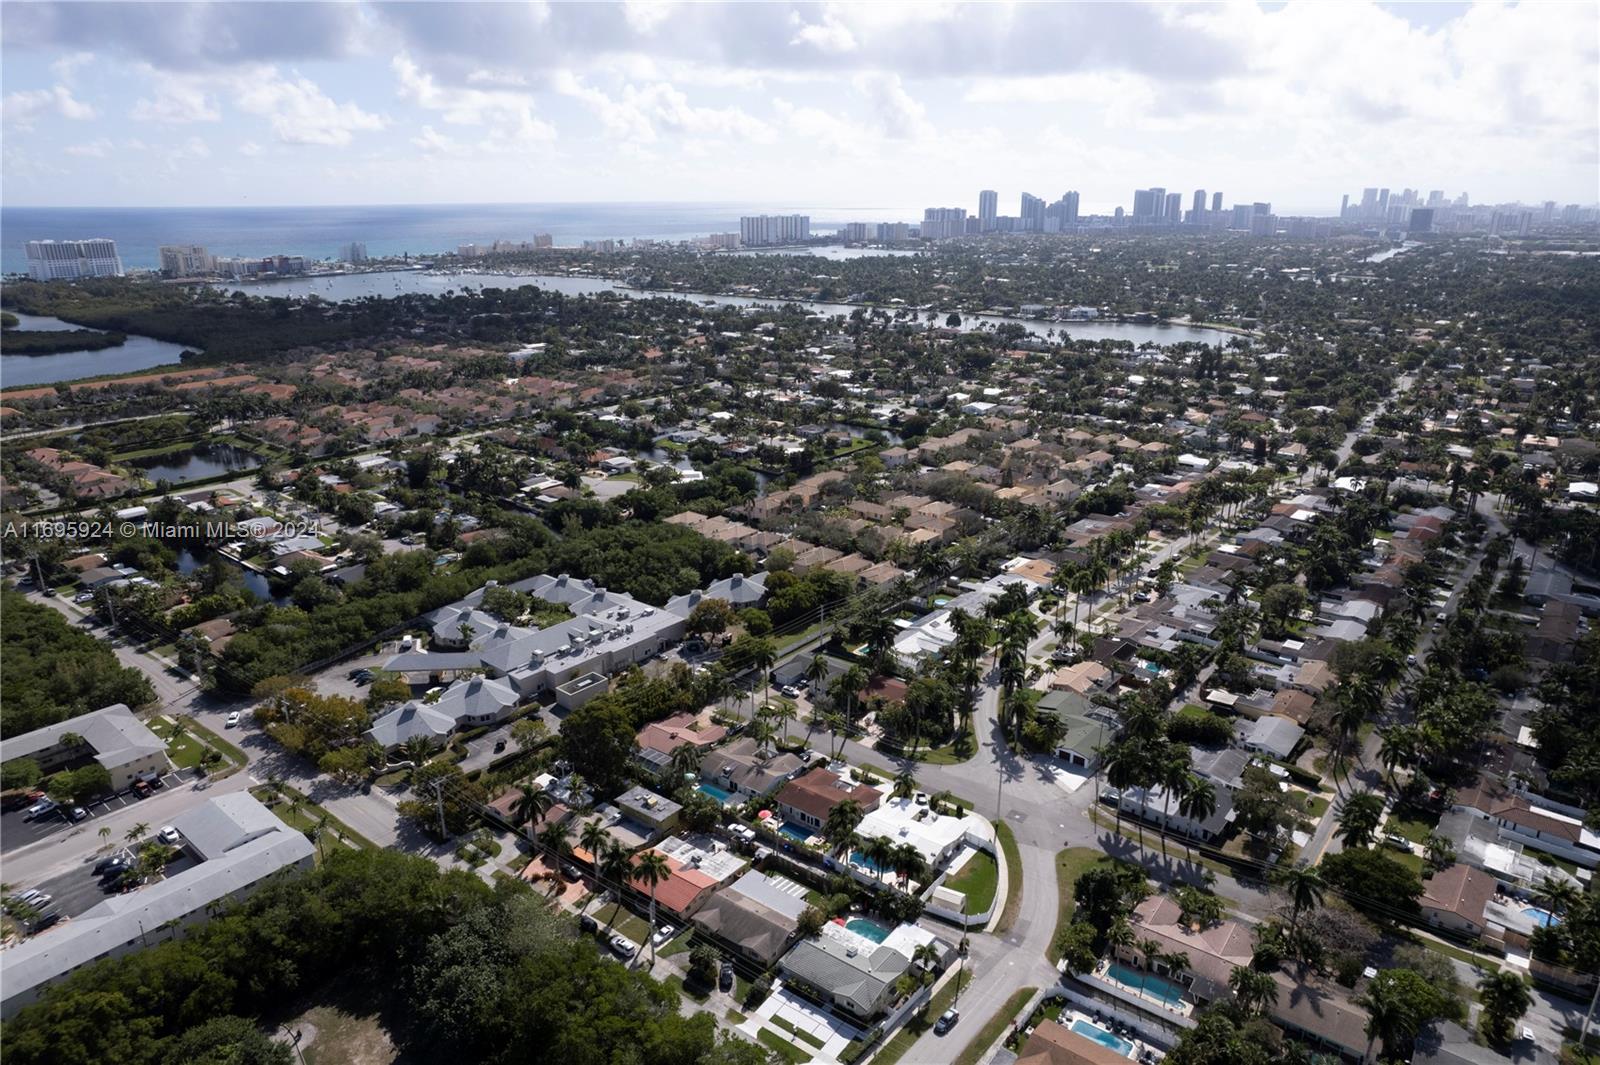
(977, 880)
(1070, 864)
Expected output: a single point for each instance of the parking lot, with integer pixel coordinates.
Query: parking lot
(79, 890)
(17, 831)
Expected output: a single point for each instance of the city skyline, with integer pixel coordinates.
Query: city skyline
(137, 105)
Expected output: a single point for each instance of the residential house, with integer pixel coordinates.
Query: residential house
(753, 917)
(747, 770)
(808, 800)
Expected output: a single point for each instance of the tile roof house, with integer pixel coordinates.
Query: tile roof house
(753, 917)
(808, 800)
(1455, 898)
(747, 771)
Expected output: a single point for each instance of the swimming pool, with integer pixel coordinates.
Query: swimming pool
(859, 858)
(722, 795)
(794, 832)
(867, 929)
(1106, 1039)
(1540, 917)
(1159, 988)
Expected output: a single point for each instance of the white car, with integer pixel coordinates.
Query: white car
(233, 720)
(169, 836)
(664, 933)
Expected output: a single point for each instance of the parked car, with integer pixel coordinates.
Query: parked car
(499, 745)
(76, 814)
(791, 690)
(622, 946)
(43, 921)
(115, 863)
(26, 898)
(1398, 842)
(83, 597)
(169, 836)
(233, 720)
(663, 933)
(141, 788)
(40, 808)
(588, 924)
(947, 1020)
(725, 976)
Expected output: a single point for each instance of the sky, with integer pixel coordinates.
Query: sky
(890, 104)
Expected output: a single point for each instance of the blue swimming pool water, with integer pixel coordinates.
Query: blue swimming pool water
(1539, 917)
(1156, 986)
(868, 929)
(861, 859)
(722, 795)
(794, 832)
(1106, 1039)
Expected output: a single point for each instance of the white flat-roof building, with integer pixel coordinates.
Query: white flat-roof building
(937, 837)
(68, 260)
(240, 843)
(119, 741)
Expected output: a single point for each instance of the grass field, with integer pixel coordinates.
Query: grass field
(977, 880)
(1070, 864)
(309, 814)
(786, 1050)
(1013, 857)
(623, 920)
(995, 1027)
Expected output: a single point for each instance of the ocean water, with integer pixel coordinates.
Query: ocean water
(319, 232)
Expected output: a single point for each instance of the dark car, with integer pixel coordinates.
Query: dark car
(141, 789)
(947, 1020)
(588, 924)
(725, 977)
(44, 920)
(105, 866)
(499, 745)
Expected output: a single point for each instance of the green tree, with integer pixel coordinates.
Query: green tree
(1505, 999)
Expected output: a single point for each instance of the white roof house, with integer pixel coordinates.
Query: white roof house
(239, 850)
(937, 837)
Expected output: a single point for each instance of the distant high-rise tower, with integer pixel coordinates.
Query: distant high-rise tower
(988, 208)
(186, 260)
(1032, 213)
(1216, 202)
(1421, 220)
(1344, 205)
(1383, 203)
(68, 260)
(1143, 205)
(1369, 203)
(1069, 208)
(1158, 202)
(1174, 211)
(1199, 203)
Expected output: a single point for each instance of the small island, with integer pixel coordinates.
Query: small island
(55, 341)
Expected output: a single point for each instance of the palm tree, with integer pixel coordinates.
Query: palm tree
(1398, 749)
(553, 838)
(1254, 991)
(593, 838)
(816, 673)
(531, 805)
(905, 783)
(1197, 802)
(855, 679)
(879, 852)
(105, 833)
(137, 832)
(417, 750)
(617, 868)
(762, 654)
(1173, 773)
(684, 764)
(321, 831)
(1306, 889)
(841, 824)
(652, 868)
(1505, 999)
(1389, 1015)
(1359, 817)
(908, 862)
(1557, 896)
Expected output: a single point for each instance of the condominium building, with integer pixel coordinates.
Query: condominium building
(764, 229)
(68, 260)
(186, 260)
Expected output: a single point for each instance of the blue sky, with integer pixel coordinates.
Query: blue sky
(891, 104)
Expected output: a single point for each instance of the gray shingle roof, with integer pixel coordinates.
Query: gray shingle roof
(115, 734)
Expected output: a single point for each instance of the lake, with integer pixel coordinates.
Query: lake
(196, 463)
(397, 282)
(139, 353)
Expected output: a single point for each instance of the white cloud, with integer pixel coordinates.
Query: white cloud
(900, 115)
(644, 16)
(95, 149)
(177, 101)
(21, 110)
(301, 113)
(67, 66)
(830, 35)
(511, 111)
(431, 140)
(250, 148)
(638, 114)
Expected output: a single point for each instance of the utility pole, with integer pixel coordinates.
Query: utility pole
(438, 794)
